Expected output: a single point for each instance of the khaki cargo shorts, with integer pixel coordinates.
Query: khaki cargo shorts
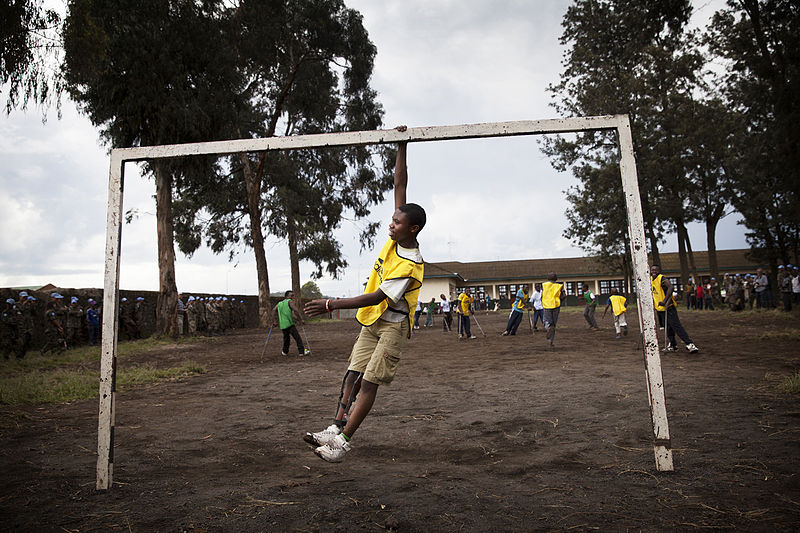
(377, 350)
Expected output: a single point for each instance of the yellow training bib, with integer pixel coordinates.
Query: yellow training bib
(389, 265)
(551, 295)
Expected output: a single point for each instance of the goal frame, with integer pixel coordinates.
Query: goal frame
(630, 184)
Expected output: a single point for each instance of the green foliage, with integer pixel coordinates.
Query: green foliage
(759, 42)
(310, 290)
(633, 58)
(28, 45)
(791, 384)
(305, 65)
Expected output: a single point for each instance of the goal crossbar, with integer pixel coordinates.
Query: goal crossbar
(630, 183)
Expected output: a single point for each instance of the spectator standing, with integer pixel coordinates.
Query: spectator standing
(538, 308)
(761, 284)
(447, 314)
(93, 322)
(785, 284)
(796, 284)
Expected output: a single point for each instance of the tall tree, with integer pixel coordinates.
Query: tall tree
(311, 75)
(759, 42)
(29, 45)
(143, 71)
(636, 58)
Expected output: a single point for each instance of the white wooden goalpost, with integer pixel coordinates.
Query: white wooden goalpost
(630, 183)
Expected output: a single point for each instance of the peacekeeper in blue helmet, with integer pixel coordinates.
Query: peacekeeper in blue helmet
(53, 326)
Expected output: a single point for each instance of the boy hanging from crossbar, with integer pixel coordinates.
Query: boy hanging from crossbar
(384, 312)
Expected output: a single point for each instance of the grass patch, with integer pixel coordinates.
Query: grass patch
(781, 335)
(61, 385)
(87, 354)
(791, 384)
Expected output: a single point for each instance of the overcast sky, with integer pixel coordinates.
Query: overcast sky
(440, 62)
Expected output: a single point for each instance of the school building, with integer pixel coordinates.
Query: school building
(500, 280)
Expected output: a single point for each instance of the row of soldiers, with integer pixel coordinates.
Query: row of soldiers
(210, 315)
(63, 324)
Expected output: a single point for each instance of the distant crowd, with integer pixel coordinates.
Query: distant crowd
(746, 291)
(57, 326)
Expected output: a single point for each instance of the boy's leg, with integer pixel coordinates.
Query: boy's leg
(555, 313)
(297, 339)
(466, 325)
(285, 349)
(617, 325)
(675, 326)
(592, 319)
(517, 319)
(623, 322)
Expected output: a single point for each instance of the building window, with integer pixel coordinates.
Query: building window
(569, 287)
(607, 284)
(502, 292)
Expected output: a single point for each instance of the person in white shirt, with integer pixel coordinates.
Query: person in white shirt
(448, 315)
(538, 308)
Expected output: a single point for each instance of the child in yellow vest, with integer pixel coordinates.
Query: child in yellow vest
(384, 312)
(617, 304)
(667, 310)
(465, 300)
(552, 293)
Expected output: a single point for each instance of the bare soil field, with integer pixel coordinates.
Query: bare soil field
(492, 434)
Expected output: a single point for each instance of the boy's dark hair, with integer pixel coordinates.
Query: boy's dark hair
(552, 276)
(585, 286)
(415, 213)
(287, 293)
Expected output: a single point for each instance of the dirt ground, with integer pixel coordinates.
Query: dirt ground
(493, 434)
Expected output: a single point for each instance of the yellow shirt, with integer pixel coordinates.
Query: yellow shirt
(464, 300)
(618, 304)
(551, 295)
(658, 293)
(389, 265)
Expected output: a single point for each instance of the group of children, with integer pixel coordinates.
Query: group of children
(386, 308)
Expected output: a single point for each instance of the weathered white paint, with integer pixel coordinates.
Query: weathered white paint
(641, 274)
(108, 360)
(620, 123)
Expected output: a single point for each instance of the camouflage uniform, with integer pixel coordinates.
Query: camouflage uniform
(126, 323)
(53, 327)
(10, 329)
(27, 325)
(212, 318)
(191, 315)
(74, 323)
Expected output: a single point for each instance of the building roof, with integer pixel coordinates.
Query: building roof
(575, 267)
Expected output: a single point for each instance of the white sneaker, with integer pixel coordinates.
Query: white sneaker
(334, 450)
(284, 353)
(306, 352)
(323, 437)
(669, 348)
(692, 348)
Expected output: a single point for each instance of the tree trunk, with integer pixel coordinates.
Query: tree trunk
(253, 183)
(711, 242)
(294, 261)
(166, 306)
(682, 251)
(690, 253)
(651, 236)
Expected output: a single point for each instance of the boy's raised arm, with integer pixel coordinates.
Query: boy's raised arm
(400, 173)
